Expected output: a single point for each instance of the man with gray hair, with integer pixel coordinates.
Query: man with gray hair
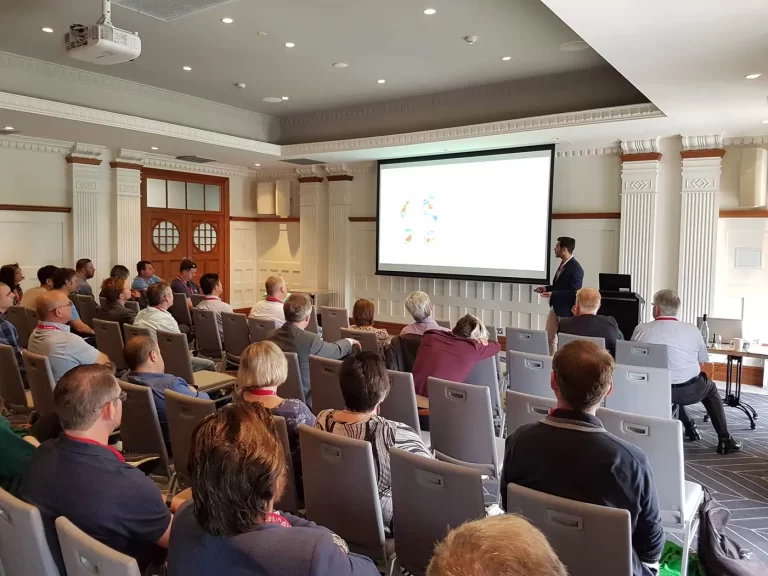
(419, 306)
(686, 349)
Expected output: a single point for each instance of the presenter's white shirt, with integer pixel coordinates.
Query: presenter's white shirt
(156, 319)
(684, 344)
(269, 309)
(215, 305)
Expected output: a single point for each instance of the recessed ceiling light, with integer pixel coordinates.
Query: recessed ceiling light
(506, 58)
(155, 148)
(752, 76)
(289, 44)
(430, 11)
(764, 122)
(257, 165)
(574, 46)
(186, 68)
(272, 99)
(261, 33)
(227, 20)
(48, 30)
(340, 64)
(284, 98)
(8, 128)
(381, 81)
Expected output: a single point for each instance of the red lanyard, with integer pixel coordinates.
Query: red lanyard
(261, 392)
(273, 518)
(669, 318)
(89, 441)
(273, 299)
(211, 298)
(46, 327)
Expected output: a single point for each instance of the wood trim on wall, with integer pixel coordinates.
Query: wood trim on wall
(127, 165)
(78, 160)
(750, 375)
(709, 153)
(262, 219)
(751, 213)
(26, 208)
(569, 216)
(640, 157)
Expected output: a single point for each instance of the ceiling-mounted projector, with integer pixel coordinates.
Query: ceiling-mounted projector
(102, 43)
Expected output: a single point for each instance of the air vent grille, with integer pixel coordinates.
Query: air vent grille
(195, 159)
(166, 10)
(302, 161)
(4, 132)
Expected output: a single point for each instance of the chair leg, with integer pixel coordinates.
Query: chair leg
(173, 485)
(686, 550)
(394, 566)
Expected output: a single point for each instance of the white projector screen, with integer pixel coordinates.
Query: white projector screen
(477, 216)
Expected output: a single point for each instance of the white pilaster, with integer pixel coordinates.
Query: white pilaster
(339, 237)
(699, 209)
(313, 227)
(639, 191)
(127, 179)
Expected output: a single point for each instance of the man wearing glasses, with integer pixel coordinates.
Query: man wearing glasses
(80, 476)
(53, 339)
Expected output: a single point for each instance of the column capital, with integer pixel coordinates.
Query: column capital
(710, 143)
(85, 154)
(313, 173)
(129, 160)
(640, 150)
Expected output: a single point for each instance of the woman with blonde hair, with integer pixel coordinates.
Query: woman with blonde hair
(362, 319)
(263, 368)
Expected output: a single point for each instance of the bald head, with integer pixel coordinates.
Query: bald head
(54, 306)
(587, 301)
(275, 286)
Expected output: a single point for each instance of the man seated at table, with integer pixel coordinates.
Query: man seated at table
(571, 441)
(82, 478)
(586, 322)
(293, 337)
(272, 307)
(686, 349)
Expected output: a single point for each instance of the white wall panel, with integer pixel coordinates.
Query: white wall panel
(243, 291)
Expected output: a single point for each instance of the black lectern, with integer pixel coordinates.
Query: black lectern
(626, 307)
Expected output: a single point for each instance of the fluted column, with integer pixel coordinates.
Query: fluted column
(313, 227)
(639, 192)
(127, 183)
(339, 248)
(699, 208)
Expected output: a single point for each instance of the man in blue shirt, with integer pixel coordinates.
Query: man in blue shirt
(146, 276)
(8, 333)
(569, 454)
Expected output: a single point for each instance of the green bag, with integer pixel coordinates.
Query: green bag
(672, 560)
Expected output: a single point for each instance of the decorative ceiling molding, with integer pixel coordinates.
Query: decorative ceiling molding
(745, 141)
(344, 168)
(607, 151)
(337, 169)
(708, 142)
(315, 170)
(50, 108)
(36, 144)
(130, 156)
(615, 114)
(80, 150)
(212, 168)
(640, 146)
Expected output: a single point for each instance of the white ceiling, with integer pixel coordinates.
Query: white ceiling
(393, 40)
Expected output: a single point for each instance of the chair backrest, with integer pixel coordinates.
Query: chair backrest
(400, 403)
(207, 333)
(289, 502)
(530, 373)
(334, 319)
(563, 339)
(109, 340)
(102, 301)
(292, 388)
(526, 409)
(132, 331)
(647, 355)
(11, 384)
(41, 382)
(140, 427)
(86, 556)
(429, 498)
(444, 323)
(32, 319)
(23, 545)
(175, 352)
(368, 340)
(324, 379)
(87, 307)
(461, 424)
(17, 315)
(528, 341)
(589, 539)
(196, 299)
(340, 489)
(133, 305)
(640, 390)
(313, 325)
(180, 309)
(662, 441)
(484, 373)
(236, 335)
(184, 413)
(258, 328)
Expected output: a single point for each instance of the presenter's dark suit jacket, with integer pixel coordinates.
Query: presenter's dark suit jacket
(595, 327)
(564, 288)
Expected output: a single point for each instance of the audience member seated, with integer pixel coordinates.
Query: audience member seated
(506, 545)
(15, 452)
(147, 368)
(686, 348)
(419, 306)
(184, 282)
(263, 368)
(611, 472)
(84, 271)
(52, 337)
(156, 317)
(146, 276)
(230, 526)
(586, 322)
(213, 289)
(362, 319)
(45, 277)
(64, 282)
(120, 271)
(452, 354)
(12, 275)
(8, 333)
(293, 337)
(272, 307)
(364, 385)
(79, 476)
(116, 292)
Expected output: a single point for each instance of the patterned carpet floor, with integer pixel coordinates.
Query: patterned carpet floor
(738, 481)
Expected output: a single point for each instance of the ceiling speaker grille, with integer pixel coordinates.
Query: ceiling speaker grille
(195, 159)
(166, 10)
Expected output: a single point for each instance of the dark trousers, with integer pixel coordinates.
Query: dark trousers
(700, 389)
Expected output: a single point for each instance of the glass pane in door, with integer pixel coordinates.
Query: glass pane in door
(195, 194)
(155, 193)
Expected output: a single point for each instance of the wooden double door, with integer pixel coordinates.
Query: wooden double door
(185, 216)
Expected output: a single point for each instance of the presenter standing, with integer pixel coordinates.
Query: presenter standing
(562, 292)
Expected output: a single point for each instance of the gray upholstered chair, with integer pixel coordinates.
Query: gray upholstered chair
(12, 390)
(86, 556)
(641, 390)
(236, 335)
(324, 378)
(260, 327)
(292, 388)
(528, 341)
(400, 403)
(109, 340)
(334, 319)
(23, 545)
(530, 373)
(41, 382)
(140, 427)
(563, 339)
(184, 413)
(17, 315)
